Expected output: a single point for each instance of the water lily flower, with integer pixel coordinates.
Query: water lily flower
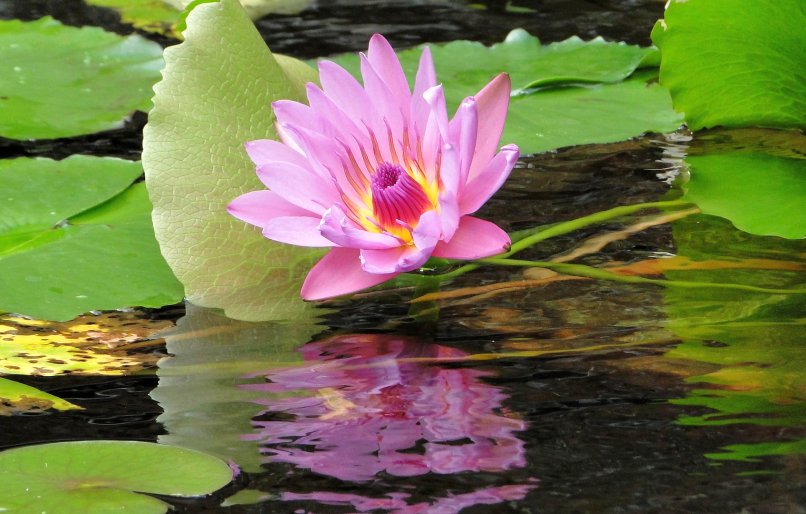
(380, 174)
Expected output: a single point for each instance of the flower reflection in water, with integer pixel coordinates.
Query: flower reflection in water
(381, 403)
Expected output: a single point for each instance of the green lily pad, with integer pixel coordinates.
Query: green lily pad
(735, 63)
(76, 236)
(603, 113)
(16, 397)
(149, 15)
(100, 477)
(204, 406)
(60, 81)
(759, 193)
(195, 165)
(558, 114)
(466, 66)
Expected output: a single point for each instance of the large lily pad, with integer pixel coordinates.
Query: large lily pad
(195, 165)
(466, 66)
(100, 477)
(559, 113)
(200, 391)
(759, 193)
(603, 113)
(75, 237)
(59, 81)
(735, 63)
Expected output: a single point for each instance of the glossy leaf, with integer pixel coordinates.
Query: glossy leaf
(100, 476)
(604, 113)
(735, 63)
(195, 165)
(16, 397)
(759, 193)
(200, 391)
(75, 237)
(464, 67)
(60, 81)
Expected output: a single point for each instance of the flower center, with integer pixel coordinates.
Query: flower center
(396, 197)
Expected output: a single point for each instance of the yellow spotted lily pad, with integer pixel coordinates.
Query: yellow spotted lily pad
(89, 345)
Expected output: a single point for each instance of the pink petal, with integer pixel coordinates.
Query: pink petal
(263, 151)
(463, 129)
(475, 239)
(346, 92)
(300, 231)
(299, 186)
(337, 273)
(260, 207)
(390, 106)
(393, 260)
(337, 227)
(428, 231)
(491, 102)
(382, 57)
(426, 76)
(289, 112)
(488, 181)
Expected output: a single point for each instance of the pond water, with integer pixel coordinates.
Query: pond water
(508, 389)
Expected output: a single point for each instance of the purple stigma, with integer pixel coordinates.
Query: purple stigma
(396, 197)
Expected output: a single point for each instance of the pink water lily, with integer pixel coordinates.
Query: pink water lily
(380, 174)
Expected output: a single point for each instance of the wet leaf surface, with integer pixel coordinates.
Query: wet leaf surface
(87, 476)
(748, 68)
(76, 236)
(91, 80)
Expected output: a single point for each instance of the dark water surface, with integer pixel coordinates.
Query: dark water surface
(515, 391)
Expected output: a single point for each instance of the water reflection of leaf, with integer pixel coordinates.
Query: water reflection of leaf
(203, 407)
(755, 340)
(370, 403)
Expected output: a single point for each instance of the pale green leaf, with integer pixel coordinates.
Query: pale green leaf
(215, 95)
(16, 397)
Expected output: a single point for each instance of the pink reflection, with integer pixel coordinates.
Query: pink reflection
(376, 403)
(396, 502)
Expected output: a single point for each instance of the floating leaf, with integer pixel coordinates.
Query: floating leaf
(466, 66)
(735, 63)
(16, 398)
(605, 112)
(100, 477)
(200, 389)
(73, 238)
(60, 81)
(195, 165)
(759, 193)
(89, 345)
(149, 15)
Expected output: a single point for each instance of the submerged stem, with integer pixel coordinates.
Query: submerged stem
(580, 270)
